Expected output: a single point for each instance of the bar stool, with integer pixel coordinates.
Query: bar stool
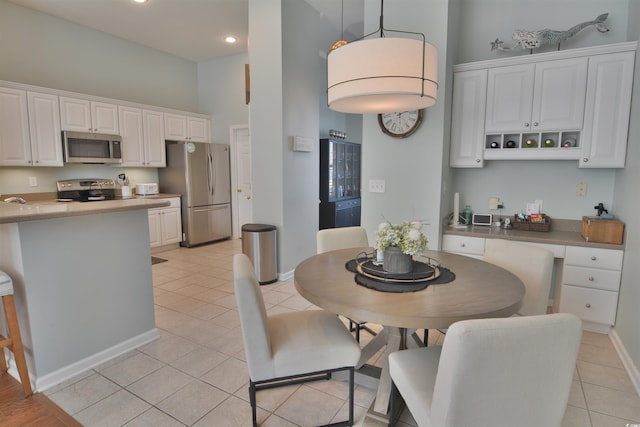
(13, 342)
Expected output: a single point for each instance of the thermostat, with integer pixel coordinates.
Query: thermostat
(482, 219)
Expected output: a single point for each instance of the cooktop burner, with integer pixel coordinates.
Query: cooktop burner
(87, 190)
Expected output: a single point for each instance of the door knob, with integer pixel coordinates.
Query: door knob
(239, 190)
(248, 197)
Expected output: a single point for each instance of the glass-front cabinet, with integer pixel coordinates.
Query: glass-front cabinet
(339, 183)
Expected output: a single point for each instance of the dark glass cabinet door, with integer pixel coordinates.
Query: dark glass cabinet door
(340, 169)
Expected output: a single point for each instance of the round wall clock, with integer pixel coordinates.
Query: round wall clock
(400, 124)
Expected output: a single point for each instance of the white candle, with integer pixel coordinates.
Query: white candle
(456, 208)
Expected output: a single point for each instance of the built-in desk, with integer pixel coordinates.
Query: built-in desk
(586, 277)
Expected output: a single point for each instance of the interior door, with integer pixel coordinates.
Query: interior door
(243, 206)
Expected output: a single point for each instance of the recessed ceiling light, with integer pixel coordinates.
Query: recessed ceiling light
(230, 39)
(140, 1)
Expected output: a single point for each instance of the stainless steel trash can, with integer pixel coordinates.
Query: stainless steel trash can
(259, 244)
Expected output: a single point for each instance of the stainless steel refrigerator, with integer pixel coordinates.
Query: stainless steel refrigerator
(200, 173)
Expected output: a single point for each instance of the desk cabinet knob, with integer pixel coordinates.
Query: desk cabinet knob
(462, 245)
(588, 305)
(593, 258)
(591, 279)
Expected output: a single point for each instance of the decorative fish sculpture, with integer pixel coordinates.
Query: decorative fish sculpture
(534, 39)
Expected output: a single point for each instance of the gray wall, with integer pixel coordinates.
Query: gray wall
(519, 182)
(627, 206)
(221, 94)
(412, 167)
(43, 50)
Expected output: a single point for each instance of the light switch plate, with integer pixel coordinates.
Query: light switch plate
(377, 186)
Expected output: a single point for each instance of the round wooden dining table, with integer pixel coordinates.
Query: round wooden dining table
(479, 290)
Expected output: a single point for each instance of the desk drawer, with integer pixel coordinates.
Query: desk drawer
(590, 305)
(611, 259)
(463, 245)
(592, 278)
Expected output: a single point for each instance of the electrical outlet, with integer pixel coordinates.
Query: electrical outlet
(581, 189)
(493, 203)
(33, 181)
(377, 186)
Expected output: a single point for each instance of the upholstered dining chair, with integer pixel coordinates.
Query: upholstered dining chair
(332, 239)
(533, 265)
(289, 348)
(514, 371)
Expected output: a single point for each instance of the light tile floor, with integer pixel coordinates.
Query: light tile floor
(196, 375)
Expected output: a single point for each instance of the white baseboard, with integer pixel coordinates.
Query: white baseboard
(630, 367)
(285, 276)
(56, 377)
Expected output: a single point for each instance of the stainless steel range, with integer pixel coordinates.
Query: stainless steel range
(86, 190)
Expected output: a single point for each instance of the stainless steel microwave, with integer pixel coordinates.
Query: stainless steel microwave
(85, 147)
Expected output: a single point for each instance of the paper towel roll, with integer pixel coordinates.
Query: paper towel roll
(456, 208)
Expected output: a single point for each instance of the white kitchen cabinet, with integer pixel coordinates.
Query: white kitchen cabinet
(89, 116)
(44, 129)
(154, 145)
(142, 134)
(565, 105)
(179, 127)
(29, 129)
(608, 104)
(541, 96)
(467, 118)
(590, 285)
(463, 245)
(15, 146)
(165, 225)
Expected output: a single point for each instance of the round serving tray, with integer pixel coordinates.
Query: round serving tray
(421, 272)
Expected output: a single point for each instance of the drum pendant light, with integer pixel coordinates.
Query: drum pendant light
(383, 74)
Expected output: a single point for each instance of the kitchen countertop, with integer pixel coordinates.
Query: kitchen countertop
(563, 232)
(49, 209)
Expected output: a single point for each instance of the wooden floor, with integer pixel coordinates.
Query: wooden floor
(35, 411)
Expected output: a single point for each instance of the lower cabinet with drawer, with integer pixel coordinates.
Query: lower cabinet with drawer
(590, 285)
(463, 245)
(165, 226)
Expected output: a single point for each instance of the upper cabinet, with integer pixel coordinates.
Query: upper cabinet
(567, 105)
(606, 118)
(178, 127)
(29, 129)
(89, 116)
(142, 134)
(545, 96)
(467, 120)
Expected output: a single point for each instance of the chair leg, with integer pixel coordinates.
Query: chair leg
(357, 332)
(252, 399)
(426, 338)
(16, 344)
(351, 394)
(393, 403)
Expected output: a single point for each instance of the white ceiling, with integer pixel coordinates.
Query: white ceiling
(192, 29)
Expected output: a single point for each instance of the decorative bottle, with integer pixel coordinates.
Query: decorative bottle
(466, 214)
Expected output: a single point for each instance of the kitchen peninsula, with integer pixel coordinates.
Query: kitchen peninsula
(82, 281)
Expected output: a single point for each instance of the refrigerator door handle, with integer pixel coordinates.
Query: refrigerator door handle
(209, 174)
(213, 175)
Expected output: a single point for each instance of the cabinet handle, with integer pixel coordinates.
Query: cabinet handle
(593, 258)
(588, 305)
(477, 160)
(535, 123)
(462, 245)
(527, 125)
(585, 160)
(591, 279)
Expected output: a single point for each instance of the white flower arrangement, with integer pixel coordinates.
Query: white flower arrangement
(407, 236)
